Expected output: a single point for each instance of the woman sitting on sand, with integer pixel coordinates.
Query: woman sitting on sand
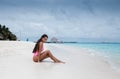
(39, 54)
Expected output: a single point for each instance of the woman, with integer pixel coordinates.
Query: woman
(39, 54)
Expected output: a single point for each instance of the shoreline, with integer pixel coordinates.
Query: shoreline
(97, 53)
(93, 53)
(79, 63)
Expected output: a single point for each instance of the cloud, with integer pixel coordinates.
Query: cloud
(90, 19)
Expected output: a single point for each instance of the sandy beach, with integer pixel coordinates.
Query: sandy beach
(16, 63)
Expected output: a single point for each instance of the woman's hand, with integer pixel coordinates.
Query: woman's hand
(38, 58)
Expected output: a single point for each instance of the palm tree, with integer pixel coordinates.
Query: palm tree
(6, 34)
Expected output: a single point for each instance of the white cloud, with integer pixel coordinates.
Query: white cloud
(64, 22)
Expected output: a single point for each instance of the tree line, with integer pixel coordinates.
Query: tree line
(6, 34)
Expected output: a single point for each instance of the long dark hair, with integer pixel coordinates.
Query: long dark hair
(37, 43)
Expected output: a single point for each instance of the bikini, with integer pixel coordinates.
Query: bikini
(36, 53)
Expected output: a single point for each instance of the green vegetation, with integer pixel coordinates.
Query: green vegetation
(6, 34)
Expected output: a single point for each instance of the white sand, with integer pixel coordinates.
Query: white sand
(16, 63)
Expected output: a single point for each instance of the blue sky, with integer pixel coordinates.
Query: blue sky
(68, 20)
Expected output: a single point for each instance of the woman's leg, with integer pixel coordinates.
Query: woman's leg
(47, 54)
(43, 56)
(40, 58)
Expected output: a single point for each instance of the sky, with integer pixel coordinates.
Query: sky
(67, 20)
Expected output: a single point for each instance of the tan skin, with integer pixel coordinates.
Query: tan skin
(45, 54)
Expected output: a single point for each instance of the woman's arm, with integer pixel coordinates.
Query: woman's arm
(39, 51)
(40, 47)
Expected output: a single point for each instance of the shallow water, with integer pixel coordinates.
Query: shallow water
(111, 52)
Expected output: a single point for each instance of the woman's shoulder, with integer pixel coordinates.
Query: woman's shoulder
(40, 43)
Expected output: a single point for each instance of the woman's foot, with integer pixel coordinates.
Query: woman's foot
(60, 62)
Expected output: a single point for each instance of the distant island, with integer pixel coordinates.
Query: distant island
(61, 42)
(56, 40)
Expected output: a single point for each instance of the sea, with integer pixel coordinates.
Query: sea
(109, 51)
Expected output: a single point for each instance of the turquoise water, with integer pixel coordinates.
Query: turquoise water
(111, 52)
